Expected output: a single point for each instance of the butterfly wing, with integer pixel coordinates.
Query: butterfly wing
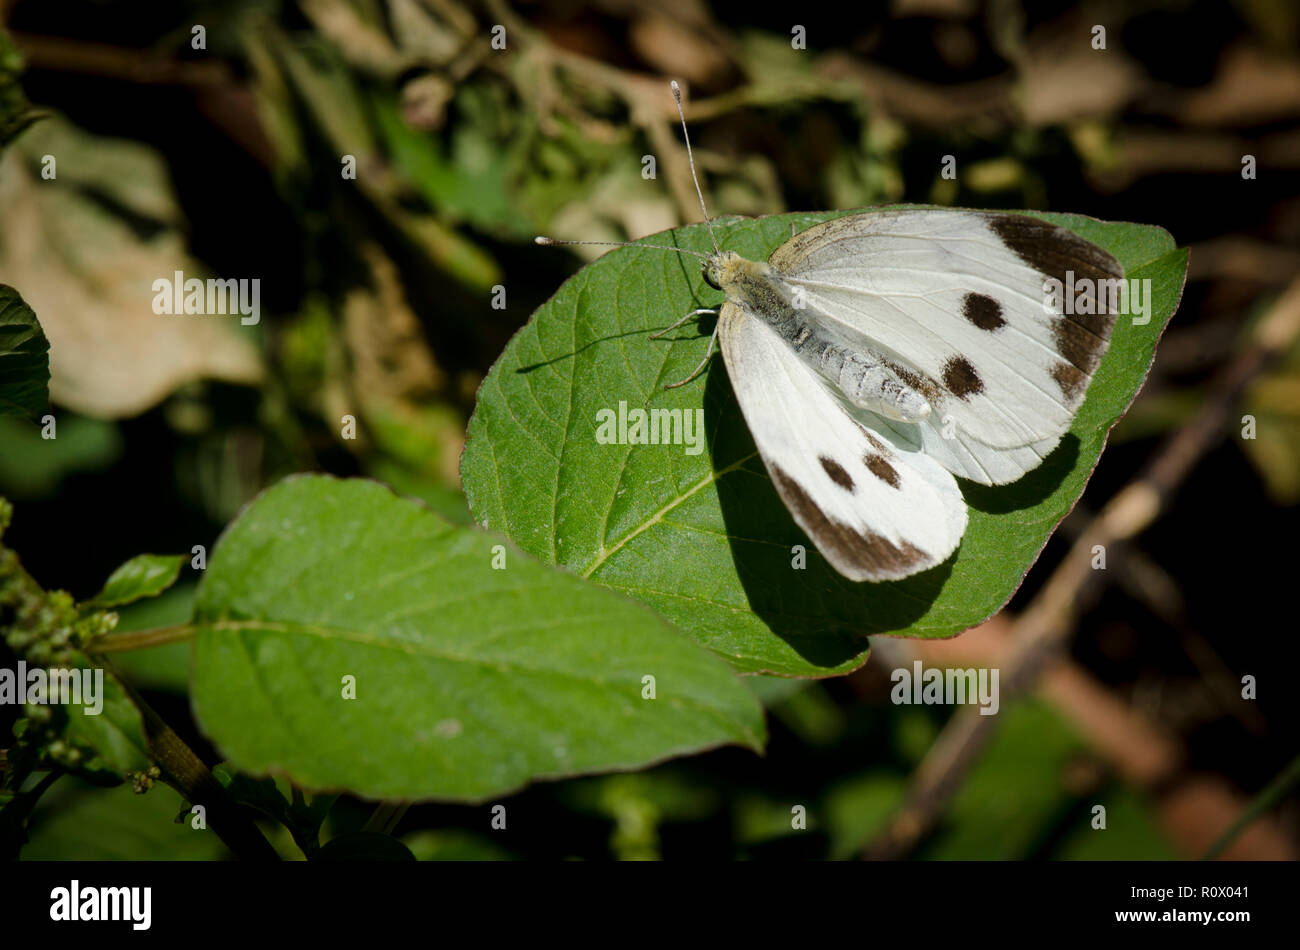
(875, 511)
(956, 302)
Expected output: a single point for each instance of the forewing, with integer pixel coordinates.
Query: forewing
(874, 510)
(956, 299)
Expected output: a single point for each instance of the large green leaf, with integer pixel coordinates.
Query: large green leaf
(24, 359)
(705, 539)
(469, 681)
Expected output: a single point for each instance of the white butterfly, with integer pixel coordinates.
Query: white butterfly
(878, 355)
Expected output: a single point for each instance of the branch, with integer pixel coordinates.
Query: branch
(1265, 801)
(185, 772)
(61, 54)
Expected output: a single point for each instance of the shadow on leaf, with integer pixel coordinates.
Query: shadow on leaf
(1032, 488)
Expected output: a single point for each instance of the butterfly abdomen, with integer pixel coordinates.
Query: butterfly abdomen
(865, 380)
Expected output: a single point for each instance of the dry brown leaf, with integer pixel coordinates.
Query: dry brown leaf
(89, 277)
(1251, 87)
(1050, 85)
(676, 49)
(391, 361)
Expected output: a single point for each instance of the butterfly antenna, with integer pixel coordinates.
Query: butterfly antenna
(552, 242)
(690, 156)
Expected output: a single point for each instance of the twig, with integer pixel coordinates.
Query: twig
(1048, 621)
(61, 54)
(1137, 751)
(1148, 583)
(649, 105)
(139, 639)
(185, 772)
(1264, 802)
(386, 816)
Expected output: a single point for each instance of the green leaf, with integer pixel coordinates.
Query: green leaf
(858, 808)
(1134, 830)
(145, 575)
(111, 743)
(1272, 441)
(704, 539)
(469, 681)
(1030, 787)
(24, 359)
(33, 467)
(454, 844)
(1014, 792)
(469, 180)
(76, 822)
(302, 819)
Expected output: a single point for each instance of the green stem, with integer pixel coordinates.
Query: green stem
(140, 639)
(13, 817)
(1265, 801)
(185, 772)
(386, 816)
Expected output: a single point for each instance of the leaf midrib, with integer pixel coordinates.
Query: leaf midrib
(502, 666)
(402, 646)
(713, 476)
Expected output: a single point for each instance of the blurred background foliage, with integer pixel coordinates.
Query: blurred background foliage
(230, 160)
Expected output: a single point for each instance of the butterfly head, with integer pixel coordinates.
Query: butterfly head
(723, 270)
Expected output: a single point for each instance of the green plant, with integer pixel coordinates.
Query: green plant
(348, 640)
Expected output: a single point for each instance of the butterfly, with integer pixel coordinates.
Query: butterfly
(879, 356)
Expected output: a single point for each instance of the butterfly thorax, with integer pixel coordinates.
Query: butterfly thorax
(754, 285)
(862, 376)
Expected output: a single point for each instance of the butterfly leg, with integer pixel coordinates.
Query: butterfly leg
(693, 313)
(703, 363)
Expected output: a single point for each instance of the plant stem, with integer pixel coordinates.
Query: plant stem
(13, 817)
(140, 639)
(1265, 801)
(385, 817)
(185, 772)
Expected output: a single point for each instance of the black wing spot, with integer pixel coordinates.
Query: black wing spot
(961, 379)
(836, 471)
(882, 470)
(983, 311)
